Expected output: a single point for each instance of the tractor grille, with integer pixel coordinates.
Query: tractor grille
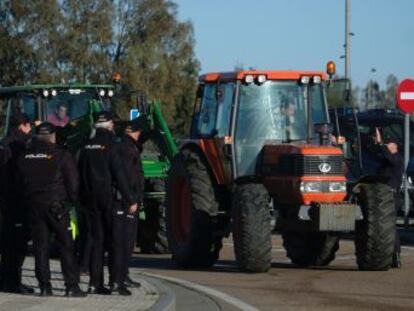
(305, 165)
(309, 165)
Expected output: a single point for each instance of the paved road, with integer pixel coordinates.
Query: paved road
(337, 287)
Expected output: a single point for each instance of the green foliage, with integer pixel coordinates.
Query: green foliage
(375, 97)
(87, 40)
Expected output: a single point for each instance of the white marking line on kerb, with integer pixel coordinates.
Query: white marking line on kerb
(407, 95)
(206, 290)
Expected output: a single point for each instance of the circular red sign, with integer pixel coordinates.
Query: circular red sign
(405, 96)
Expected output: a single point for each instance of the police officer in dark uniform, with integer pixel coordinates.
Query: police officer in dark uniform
(48, 178)
(14, 230)
(392, 167)
(102, 176)
(125, 224)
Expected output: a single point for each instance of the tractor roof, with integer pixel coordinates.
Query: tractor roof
(270, 75)
(39, 87)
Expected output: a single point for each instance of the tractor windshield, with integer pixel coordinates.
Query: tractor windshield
(72, 104)
(275, 111)
(24, 102)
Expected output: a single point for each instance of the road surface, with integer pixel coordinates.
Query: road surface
(339, 286)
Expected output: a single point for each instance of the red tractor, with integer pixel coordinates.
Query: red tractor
(260, 150)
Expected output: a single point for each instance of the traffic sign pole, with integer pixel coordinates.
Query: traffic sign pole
(406, 160)
(405, 101)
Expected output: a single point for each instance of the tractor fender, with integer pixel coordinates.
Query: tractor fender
(207, 149)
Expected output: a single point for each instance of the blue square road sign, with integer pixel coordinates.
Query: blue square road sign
(133, 114)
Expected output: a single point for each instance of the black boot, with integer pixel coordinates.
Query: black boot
(396, 260)
(18, 289)
(46, 292)
(131, 283)
(26, 289)
(121, 290)
(99, 290)
(75, 292)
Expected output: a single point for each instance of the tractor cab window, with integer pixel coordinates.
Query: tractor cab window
(71, 104)
(273, 112)
(16, 104)
(208, 110)
(225, 101)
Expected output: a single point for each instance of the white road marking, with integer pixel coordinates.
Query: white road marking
(407, 95)
(206, 290)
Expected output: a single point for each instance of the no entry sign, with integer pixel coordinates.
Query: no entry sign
(405, 96)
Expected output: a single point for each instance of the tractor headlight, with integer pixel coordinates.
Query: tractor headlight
(110, 93)
(101, 92)
(305, 80)
(337, 186)
(45, 93)
(261, 79)
(311, 186)
(248, 79)
(54, 93)
(316, 79)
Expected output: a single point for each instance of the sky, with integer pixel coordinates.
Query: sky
(304, 35)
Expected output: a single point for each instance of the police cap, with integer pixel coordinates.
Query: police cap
(102, 117)
(45, 128)
(136, 125)
(19, 119)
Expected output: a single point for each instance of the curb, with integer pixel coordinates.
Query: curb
(167, 300)
(235, 302)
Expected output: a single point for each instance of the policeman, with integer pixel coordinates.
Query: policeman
(14, 231)
(125, 224)
(392, 166)
(48, 179)
(102, 175)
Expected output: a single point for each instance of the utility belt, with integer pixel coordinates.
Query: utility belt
(59, 209)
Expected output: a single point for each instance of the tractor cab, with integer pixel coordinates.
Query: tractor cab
(68, 107)
(264, 125)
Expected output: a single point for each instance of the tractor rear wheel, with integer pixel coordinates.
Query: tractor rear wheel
(375, 234)
(252, 231)
(191, 206)
(310, 248)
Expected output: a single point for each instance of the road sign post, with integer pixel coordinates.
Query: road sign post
(405, 101)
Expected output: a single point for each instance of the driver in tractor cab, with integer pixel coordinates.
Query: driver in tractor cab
(60, 116)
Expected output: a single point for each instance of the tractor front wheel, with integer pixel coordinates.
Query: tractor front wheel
(375, 234)
(252, 230)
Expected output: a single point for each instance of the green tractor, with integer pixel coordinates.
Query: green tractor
(70, 107)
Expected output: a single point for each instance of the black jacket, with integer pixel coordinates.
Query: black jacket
(392, 167)
(11, 147)
(46, 174)
(101, 168)
(130, 153)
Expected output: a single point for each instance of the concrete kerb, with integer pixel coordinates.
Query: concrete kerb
(166, 300)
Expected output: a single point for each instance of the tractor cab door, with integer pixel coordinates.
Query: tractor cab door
(212, 124)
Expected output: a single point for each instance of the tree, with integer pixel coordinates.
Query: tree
(391, 85)
(88, 40)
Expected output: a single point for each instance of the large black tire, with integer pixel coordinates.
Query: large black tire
(152, 232)
(252, 231)
(375, 235)
(310, 248)
(191, 207)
